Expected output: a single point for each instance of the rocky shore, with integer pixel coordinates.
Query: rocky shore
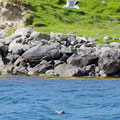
(28, 52)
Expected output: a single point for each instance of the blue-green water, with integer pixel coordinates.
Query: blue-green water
(38, 99)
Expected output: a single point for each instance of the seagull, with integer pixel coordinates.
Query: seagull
(71, 4)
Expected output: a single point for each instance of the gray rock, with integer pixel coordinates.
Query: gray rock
(71, 38)
(102, 74)
(58, 36)
(45, 52)
(111, 67)
(91, 39)
(10, 24)
(40, 69)
(4, 48)
(19, 61)
(3, 35)
(110, 62)
(97, 69)
(24, 32)
(12, 57)
(66, 70)
(82, 60)
(90, 69)
(65, 43)
(50, 72)
(107, 38)
(1, 62)
(65, 56)
(67, 50)
(17, 48)
(101, 49)
(81, 39)
(41, 42)
(57, 62)
(115, 45)
(4, 11)
(2, 26)
(19, 70)
(9, 39)
(78, 45)
(6, 69)
(38, 36)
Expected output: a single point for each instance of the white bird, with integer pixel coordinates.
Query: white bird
(71, 4)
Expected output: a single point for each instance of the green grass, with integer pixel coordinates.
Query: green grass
(93, 19)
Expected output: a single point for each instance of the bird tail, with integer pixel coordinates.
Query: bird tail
(77, 7)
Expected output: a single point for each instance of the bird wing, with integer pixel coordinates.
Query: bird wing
(71, 2)
(68, 2)
(75, 1)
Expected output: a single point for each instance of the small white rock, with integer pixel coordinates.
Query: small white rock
(10, 24)
(107, 38)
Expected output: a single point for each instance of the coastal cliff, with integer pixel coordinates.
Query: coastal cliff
(28, 52)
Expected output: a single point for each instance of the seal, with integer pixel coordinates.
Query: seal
(60, 112)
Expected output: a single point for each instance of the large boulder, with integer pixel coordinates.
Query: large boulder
(102, 49)
(21, 70)
(111, 67)
(67, 52)
(82, 60)
(17, 47)
(66, 70)
(109, 62)
(40, 69)
(64, 37)
(24, 32)
(115, 45)
(9, 39)
(58, 36)
(45, 52)
(38, 36)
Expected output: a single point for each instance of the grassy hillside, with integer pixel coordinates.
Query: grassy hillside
(93, 19)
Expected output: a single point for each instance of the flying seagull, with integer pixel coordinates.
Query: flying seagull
(71, 4)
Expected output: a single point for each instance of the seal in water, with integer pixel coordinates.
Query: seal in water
(60, 112)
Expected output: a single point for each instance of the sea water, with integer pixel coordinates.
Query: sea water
(38, 99)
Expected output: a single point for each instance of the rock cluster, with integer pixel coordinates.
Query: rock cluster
(28, 52)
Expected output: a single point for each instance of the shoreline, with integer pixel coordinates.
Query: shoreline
(61, 78)
(31, 53)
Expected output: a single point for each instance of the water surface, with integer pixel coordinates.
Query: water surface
(38, 99)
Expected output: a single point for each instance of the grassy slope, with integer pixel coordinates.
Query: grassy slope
(93, 19)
